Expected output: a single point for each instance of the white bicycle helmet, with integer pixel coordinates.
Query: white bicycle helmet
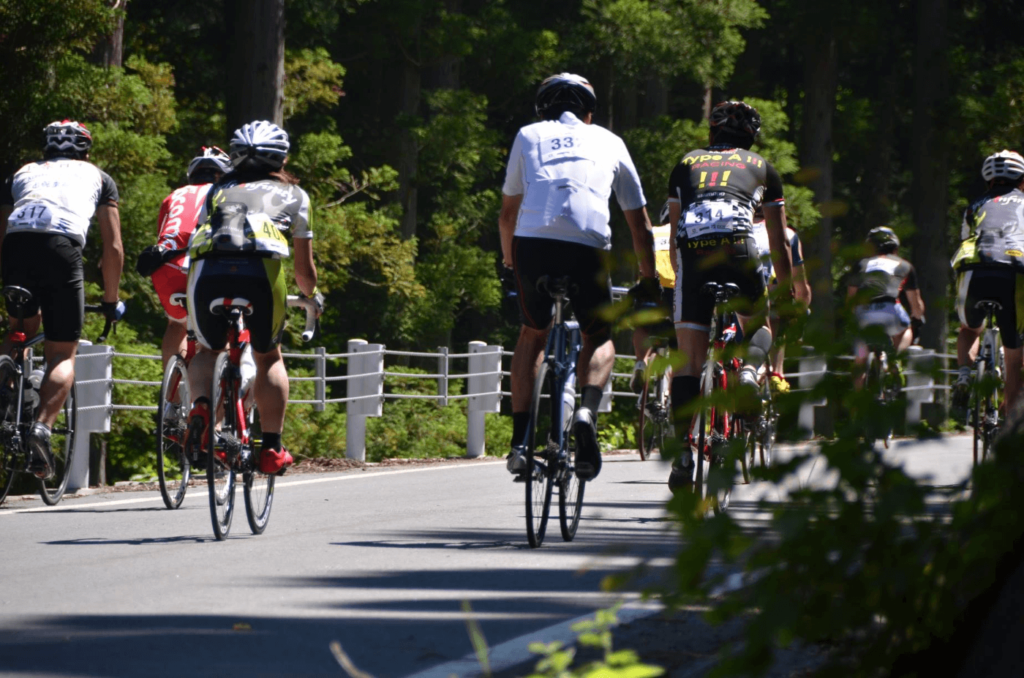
(211, 158)
(1003, 165)
(259, 143)
(67, 136)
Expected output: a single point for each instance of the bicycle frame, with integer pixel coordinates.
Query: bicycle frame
(561, 353)
(238, 338)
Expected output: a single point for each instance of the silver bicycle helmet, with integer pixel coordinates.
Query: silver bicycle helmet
(1005, 164)
(211, 159)
(259, 143)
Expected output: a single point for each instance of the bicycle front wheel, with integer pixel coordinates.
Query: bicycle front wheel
(10, 456)
(540, 458)
(220, 457)
(259, 487)
(654, 417)
(62, 445)
(172, 465)
(570, 494)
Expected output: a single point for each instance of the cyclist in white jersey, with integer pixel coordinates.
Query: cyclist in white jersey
(554, 222)
(45, 211)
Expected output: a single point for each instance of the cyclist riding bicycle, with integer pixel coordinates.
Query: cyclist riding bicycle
(987, 264)
(237, 253)
(801, 288)
(713, 193)
(650, 332)
(554, 222)
(876, 285)
(165, 262)
(45, 211)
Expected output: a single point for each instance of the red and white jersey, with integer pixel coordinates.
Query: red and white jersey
(179, 214)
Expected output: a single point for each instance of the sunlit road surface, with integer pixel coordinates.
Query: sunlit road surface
(381, 561)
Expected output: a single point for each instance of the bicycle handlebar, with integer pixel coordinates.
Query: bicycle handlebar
(309, 306)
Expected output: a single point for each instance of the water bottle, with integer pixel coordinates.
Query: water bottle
(247, 366)
(568, 401)
(36, 378)
(30, 396)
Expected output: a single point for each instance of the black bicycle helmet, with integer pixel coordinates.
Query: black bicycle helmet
(884, 239)
(565, 92)
(66, 137)
(210, 160)
(735, 118)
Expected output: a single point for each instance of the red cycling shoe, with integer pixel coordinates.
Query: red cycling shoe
(275, 461)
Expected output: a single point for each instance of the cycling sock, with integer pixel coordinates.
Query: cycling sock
(760, 344)
(520, 425)
(590, 398)
(271, 441)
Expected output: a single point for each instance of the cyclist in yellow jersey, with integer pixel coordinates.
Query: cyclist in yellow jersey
(642, 344)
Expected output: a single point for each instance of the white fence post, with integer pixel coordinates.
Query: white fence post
(920, 386)
(94, 373)
(442, 381)
(320, 385)
(812, 370)
(368, 381)
(483, 386)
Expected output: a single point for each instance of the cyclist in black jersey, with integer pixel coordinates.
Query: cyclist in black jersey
(713, 192)
(988, 265)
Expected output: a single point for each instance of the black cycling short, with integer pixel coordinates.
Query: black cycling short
(721, 259)
(49, 265)
(584, 265)
(994, 284)
(256, 279)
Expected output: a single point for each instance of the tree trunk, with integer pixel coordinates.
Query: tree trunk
(255, 90)
(655, 99)
(879, 180)
(407, 150)
(820, 79)
(930, 172)
(110, 51)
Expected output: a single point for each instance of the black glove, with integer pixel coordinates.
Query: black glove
(646, 293)
(507, 275)
(113, 310)
(915, 326)
(150, 260)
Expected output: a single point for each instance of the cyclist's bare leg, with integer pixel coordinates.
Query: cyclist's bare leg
(271, 389)
(642, 348)
(597, 358)
(1014, 358)
(967, 342)
(60, 374)
(693, 346)
(174, 340)
(525, 362)
(902, 341)
(860, 360)
(200, 373)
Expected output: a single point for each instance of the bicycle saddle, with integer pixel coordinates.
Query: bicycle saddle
(986, 304)
(17, 296)
(555, 287)
(178, 299)
(721, 293)
(225, 305)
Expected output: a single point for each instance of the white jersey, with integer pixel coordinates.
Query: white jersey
(566, 171)
(59, 195)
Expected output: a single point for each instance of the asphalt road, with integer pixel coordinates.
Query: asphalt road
(380, 561)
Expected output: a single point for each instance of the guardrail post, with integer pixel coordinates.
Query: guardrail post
(812, 370)
(94, 364)
(442, 381)
(320, 385)
(606, 398)
(483, 386)
(368, 381)
(920, 386)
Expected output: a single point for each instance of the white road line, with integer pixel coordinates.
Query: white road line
(514, 652)
(282, 483)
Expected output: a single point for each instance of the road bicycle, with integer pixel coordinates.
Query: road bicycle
(988, 385)
(716, 427)
(232, 446)
(884, 385)
(550, 452)
(19, 402)
(655, 406)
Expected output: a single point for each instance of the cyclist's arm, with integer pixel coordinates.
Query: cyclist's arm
(801, 288)
(507, 224)
(643, 240)
(675, 210)
(305, 268)
(916, 303)
(851, 291)
(109, 220)
(775, 220)
(5, 213)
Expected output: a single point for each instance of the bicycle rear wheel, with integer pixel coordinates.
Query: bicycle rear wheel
(570, 494)
(220, 467)
(10, 456)
(62, 445)
(540, 457)
(654, 417)
(259, 487)
(172, 465)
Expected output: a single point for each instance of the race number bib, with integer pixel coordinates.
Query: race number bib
(555, 148)
(33, 216)
(710, 217)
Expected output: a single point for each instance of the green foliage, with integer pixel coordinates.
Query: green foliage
(312, 79)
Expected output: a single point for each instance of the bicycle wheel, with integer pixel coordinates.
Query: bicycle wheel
(570, 494)
(9, 454)
(540, 456)
(259, 487)
(644, 426)
(761, 444)
(654, 417)
(977, 422)
(172, 465)
(220, 458)
(62, 445)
